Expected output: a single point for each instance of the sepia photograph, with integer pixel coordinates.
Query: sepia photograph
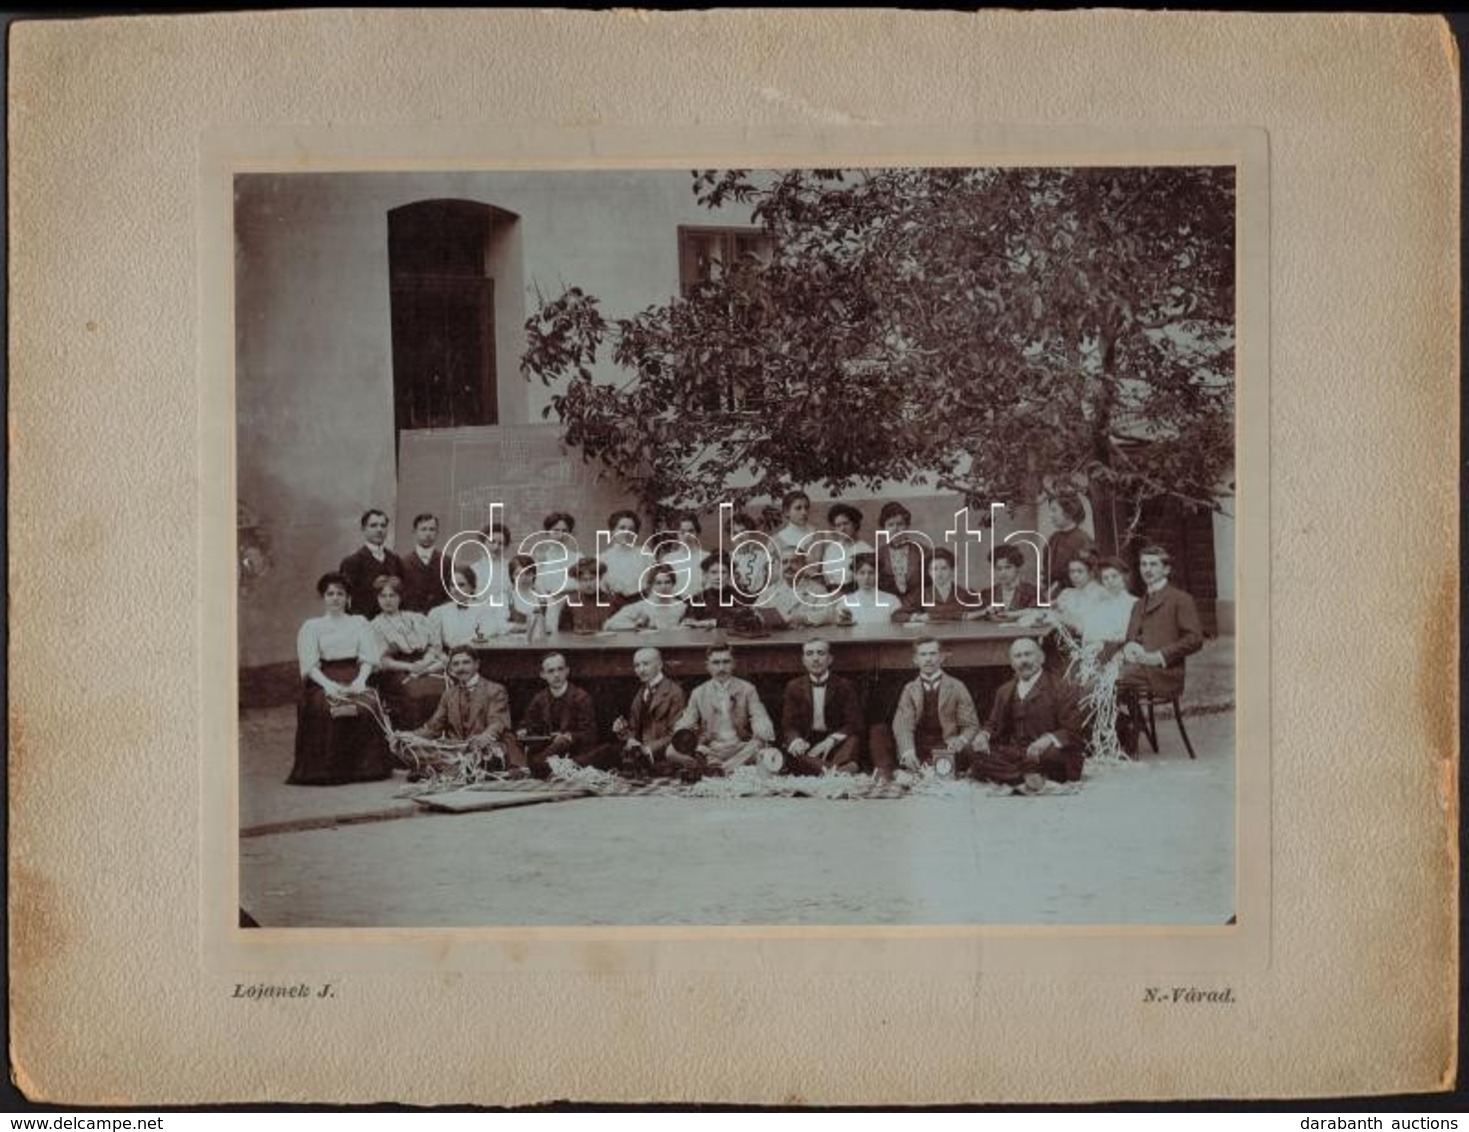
(783, 546)
(807, 558)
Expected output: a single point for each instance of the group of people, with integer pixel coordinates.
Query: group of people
(390, 623)
(1034, 730)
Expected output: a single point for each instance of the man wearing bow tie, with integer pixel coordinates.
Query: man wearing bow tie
(821, 716)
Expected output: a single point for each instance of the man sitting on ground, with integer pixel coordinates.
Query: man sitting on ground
(724, 724)
(643, 736)
(473, 711)
(560, 720)
(935, 713)
(1035, 730)
(821, 716)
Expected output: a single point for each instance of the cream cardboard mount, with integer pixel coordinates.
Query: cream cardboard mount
(124, 962)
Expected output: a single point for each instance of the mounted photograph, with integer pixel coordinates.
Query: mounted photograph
(785, 547)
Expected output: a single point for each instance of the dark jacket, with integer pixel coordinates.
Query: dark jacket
(1166, 622)
(423, 586)
(360, 568)
(651, 723)
(842, 710)
(1024, 597)
(1051, 708)
(573, 713)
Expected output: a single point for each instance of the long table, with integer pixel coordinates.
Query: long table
(865, 649)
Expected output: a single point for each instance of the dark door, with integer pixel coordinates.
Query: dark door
(444, 351)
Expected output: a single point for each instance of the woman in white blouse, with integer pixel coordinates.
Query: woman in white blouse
(1073, 605)
(337, 741)
(1076, 602)
(624, 559)
(867, 604)
(1110, 614)
(472, 616)
(410, 662)
(660, 609)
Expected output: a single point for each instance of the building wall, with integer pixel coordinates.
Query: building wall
(1224, 567)
(314, 379)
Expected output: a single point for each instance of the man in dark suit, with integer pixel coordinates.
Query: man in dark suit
(1165, 628)
(369, 562)
(560, 720)
(1009, 594)
(645, 734)
(1035, 730)
(423, 568)
(821, 716)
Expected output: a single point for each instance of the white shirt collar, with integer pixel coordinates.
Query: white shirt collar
(1023, 687)
(378, 552)
(471, 682)
(1157, 587)
(423, 555)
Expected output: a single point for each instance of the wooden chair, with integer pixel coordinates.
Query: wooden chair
(1141, 704)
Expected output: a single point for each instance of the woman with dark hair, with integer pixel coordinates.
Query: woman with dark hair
(1009, 594)
(556, 556)
(1074, 605)
(900, 557)
(1107, 622)
(337, 740)
(1068, 542)
(623, 559)
(660, 608)
(471, 616)
(948, 600)
(839, 544)
(410, 666)
(867, 604)
(718, 605)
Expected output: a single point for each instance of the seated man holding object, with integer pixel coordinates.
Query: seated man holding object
(644, 735)
(935, 714)
(559, 721)
(474, 711)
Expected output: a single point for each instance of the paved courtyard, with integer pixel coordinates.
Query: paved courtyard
(1148, 843)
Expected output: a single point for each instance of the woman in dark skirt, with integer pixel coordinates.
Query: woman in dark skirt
(410, 664)
(336, 741)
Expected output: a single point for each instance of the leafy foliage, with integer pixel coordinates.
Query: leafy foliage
(1002, 331)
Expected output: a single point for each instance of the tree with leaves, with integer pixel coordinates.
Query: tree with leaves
(1004, 333)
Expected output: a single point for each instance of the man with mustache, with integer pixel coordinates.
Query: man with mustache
(1035, 729)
